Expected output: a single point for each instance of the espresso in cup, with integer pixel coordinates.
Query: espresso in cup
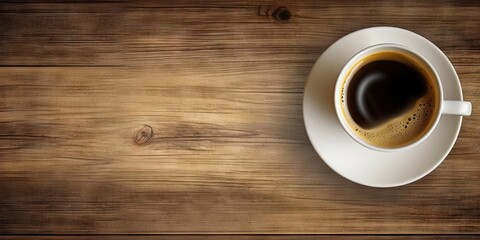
(390, 99)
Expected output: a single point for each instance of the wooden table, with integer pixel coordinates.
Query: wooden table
(185, 117)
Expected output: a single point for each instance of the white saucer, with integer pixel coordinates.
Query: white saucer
(343, 154)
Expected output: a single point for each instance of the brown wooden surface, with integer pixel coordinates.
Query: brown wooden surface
(186, 117)
(243, 237)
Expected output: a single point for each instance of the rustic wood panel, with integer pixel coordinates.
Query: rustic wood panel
(244, 237)
(185, 117)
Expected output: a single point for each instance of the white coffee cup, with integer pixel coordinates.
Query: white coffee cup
(443, 106)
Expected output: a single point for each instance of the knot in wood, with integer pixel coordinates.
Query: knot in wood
(282, 14)
(143, 135)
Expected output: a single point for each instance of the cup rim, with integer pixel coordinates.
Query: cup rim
(337, 96)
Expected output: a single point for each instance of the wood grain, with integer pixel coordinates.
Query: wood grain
(164, 117)
(243, 237)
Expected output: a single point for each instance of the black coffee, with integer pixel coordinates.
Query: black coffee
(390, 99)
(383, 90)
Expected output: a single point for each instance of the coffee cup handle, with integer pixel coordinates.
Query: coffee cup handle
(457, 108)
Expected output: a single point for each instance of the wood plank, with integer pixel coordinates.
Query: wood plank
(243, 237)
(183, 117)
(55, 34)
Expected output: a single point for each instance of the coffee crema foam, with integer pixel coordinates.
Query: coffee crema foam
(401, 130)
(409, 126)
